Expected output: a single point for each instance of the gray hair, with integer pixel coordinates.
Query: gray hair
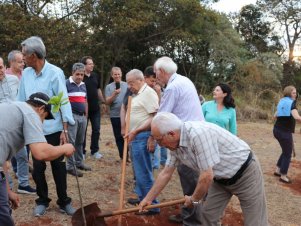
(166, 122)
(34, 44)
(12, 55)
(167, 64)
(137, 74)
(78, 66)
(115, 69)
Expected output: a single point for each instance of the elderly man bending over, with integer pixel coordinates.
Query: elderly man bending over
(226, 163)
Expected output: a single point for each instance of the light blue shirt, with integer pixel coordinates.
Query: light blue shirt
(181, 98)
(8, 88)
(226, 118)
(50, 81)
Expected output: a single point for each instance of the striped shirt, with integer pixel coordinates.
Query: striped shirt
(77, 96)
(204, 145)
(180, 98)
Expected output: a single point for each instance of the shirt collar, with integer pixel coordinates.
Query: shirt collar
(174, 75)
(72, 81)
(183, 137)
(142, 88)
(44, 68)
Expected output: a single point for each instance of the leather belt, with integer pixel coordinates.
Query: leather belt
(238, 174)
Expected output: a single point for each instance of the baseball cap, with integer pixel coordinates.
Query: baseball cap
(42, 99)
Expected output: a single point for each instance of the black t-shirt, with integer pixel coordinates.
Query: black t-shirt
(286, 123)
(92, 85)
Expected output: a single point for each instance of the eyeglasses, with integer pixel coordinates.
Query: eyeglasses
(159, 139)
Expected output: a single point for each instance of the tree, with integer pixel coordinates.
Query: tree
(257, 31)
(286, 14)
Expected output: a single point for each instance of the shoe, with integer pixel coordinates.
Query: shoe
(97, 155)
(277, 174)
(68, 209)
(147, 213)
(133, 201)
(285, 180)
(39, 210)
(84, 167)
(73, 172)
(26, 190)
(176, 218)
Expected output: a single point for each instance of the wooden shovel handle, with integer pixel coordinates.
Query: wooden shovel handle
(136, 209)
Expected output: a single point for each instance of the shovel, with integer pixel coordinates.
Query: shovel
(95, 217)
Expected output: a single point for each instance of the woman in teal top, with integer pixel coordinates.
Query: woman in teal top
(221, 110)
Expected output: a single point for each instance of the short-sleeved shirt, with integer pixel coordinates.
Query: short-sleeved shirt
(93, 85)
(226, 118)
(145, 103)
(285, 121)
(204, 145)
(116, 104)
(22, 126)
(77, 96)
(9, 88)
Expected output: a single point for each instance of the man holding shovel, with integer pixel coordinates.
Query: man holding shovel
(23, 126)
(144, 105)
(180, 98)
(226, 164)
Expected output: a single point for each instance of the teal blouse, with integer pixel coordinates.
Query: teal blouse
(225, 118)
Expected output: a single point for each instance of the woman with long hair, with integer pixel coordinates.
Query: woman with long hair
(286, 116)
(221, 110)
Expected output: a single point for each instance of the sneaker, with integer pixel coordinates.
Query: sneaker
(84, 167)
(133, 201)
(26, 190)
(96, 155)
(68, 209)
(39, 210)
(73, 172)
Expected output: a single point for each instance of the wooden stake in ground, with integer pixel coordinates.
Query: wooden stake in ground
(124, 158)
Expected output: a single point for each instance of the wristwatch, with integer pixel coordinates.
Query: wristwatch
(195, 202)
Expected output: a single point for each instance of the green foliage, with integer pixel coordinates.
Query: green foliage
(57, 102)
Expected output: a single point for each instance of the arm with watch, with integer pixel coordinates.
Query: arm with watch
(204, 182)
(64, 135)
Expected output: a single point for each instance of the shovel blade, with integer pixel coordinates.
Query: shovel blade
(91, 212)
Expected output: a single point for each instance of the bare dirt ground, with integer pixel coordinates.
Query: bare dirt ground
(102, 185)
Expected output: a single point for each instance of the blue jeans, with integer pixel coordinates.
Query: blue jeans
(94, 118)
(285, 140)
(142, 164)
(20, 166)
(159, 156)
(5, 211)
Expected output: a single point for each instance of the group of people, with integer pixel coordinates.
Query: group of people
(166, 116)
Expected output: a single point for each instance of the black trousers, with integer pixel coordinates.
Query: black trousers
(58, 167)
(116, 125)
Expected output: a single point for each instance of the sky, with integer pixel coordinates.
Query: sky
(229, 6)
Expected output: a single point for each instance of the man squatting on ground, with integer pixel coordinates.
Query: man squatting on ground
(226, 164)
(23, 126)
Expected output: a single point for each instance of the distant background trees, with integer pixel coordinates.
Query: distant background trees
(252, 50)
